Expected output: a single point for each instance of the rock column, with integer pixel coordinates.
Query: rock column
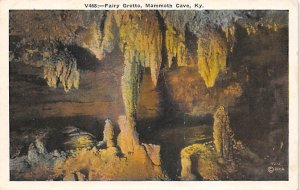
(222, 134)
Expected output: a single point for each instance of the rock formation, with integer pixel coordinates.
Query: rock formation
(153, 151)
(76, 138)
(175, 45)
(199, 161)
(186, 166)
(69, 27)
(128, 138)
(62, 68)
(222, 134)
(104, 164)
(108, 134)
(37, 164)
(140, 46)
(212, 55)
(104, 31)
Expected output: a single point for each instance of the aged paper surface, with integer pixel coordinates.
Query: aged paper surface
(149, 94)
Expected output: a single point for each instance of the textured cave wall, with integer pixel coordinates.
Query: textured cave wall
(263, 73)
(40, 39)
(257, 53)
(200, 45)
(98, 94)
(82, 27)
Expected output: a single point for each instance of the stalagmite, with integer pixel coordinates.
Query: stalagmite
(40, 146)
(186, 154)
(153, 151)
(33, 155)
(78, 176)
(222, 134)
(108, 134)
(128, 137)
(186, 168)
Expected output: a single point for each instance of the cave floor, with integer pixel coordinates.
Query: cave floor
(171, 136)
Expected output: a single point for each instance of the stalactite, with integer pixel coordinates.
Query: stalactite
(230, 36)
(212, 53)
(139, 38)
(175, 44)
(250, 28)
(110, 33)
(137, 32)
(62, 68)
(91, 39)
(253, 27)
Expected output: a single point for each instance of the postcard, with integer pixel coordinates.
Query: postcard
(152, 94)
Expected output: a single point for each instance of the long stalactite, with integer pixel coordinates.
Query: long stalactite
(141, 48)
(175, 45)
(212, 53)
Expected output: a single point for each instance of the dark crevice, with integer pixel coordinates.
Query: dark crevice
(191, 42)
(86, 60)
(102, 22)
(166, 104)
